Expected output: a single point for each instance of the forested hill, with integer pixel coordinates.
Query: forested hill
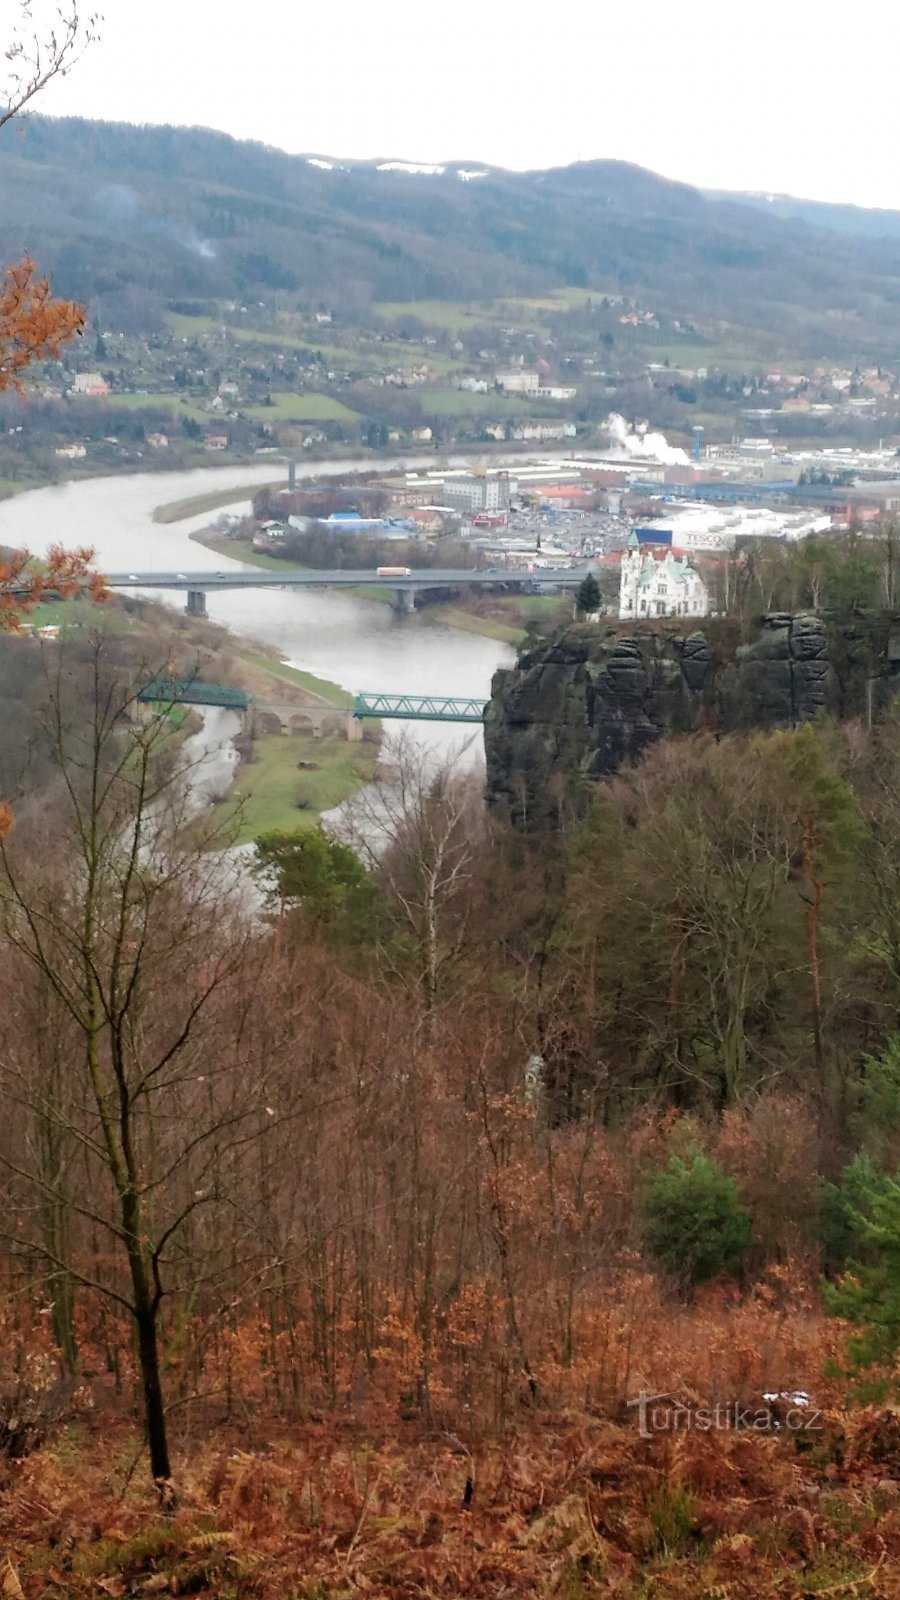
(120, 213)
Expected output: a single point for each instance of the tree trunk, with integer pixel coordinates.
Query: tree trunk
(145, 1306)
(816, 889)
(154, 1410)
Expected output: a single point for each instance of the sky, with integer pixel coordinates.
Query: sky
(784, 96)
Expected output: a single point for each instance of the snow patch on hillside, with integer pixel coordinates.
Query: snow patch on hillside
(411, 166)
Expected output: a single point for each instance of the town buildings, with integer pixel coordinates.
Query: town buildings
(472, 491)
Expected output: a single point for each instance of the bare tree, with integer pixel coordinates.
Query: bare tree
(124, 914)
(418, 828)
(37, 53)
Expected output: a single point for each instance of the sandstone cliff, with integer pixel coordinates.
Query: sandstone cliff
(575, 708)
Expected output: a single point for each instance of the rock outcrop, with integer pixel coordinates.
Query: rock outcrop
(576, 708)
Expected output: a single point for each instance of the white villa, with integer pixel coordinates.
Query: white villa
(656, 581)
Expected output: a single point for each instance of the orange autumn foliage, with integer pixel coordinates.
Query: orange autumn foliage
(34, 324)
(64, 572)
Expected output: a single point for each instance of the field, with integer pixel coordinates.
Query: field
(461, 403)
(163, 400)
(453, 315)
(190, 327)
(272, 792)
(448, 314)
(302, 408)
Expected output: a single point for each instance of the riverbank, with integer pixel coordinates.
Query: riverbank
(195, 505)
(319, 688)
(329, 635)
(272, 781)
(291, 779)
(286, 781)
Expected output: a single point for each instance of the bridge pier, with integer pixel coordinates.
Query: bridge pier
(196, 603)
(404, 602)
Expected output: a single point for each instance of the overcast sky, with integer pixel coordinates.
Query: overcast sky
(792, 96)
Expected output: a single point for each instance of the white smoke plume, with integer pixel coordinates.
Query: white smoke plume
(643, 446)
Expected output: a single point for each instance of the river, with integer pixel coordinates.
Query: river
(358, 644)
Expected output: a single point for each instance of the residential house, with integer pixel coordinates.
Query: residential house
(89, 383)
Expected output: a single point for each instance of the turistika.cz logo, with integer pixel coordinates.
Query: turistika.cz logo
(663, 1413)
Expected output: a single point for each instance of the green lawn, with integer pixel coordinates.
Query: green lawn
(78, 613)
(452, 315)
(238, 550)
(326, 690)
(449, 314)
(466, 622)
(506, 620)
(191, 327)
(269, 790)
(462, 403)
(162, 400)
(302, 408)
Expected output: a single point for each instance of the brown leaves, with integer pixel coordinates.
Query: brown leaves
(10, 1587)
(34, 324)
(558, 1513)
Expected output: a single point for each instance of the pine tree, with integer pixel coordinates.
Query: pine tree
(587, 596)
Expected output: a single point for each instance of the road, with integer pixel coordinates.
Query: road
(349, 578)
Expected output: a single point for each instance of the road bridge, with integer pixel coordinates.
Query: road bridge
(197, 585)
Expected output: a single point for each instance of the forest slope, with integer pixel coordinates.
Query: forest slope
(157, 212)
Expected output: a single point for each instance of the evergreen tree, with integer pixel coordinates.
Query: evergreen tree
(694, 1220)
(587, 596)
(320, 876)
(869, 1296)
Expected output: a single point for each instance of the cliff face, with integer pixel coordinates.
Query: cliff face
(576, 708)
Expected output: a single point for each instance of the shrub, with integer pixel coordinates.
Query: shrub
(693, 1219)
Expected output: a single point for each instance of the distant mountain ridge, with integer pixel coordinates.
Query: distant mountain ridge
(857, 221)
(147, 215)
